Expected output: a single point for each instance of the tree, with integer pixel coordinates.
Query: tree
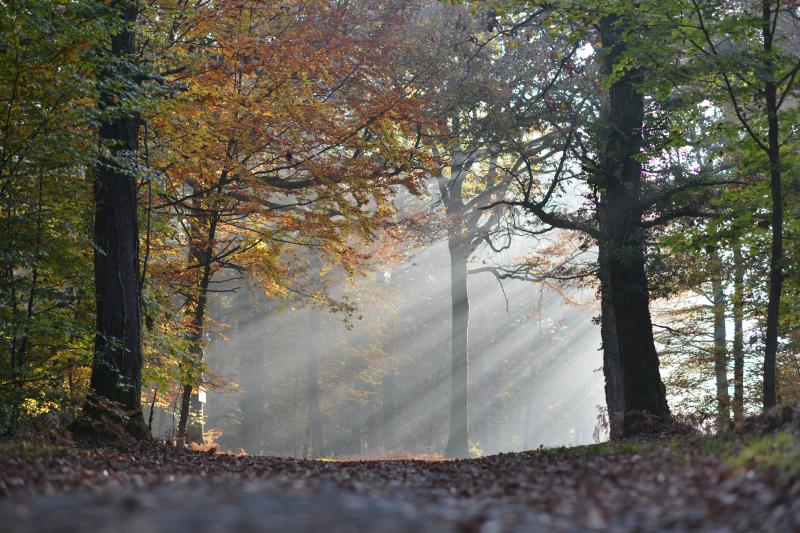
(720, 344)
(621, 176)
(300, 144)
(618, 223)
(745, 49)
(488, 95)
(738, 332)
(117, 366)
(636, 182)
(47, 74)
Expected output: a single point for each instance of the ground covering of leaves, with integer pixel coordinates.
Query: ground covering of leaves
(747, 480)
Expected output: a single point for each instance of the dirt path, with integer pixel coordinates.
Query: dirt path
(672, 485)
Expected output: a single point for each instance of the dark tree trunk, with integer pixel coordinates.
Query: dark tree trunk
(721, 355)
(612, 368)
(738, 334)
(458, 440)
(117, 366)
(776, 255)
(314, 410)
(190, 428)
(645, 398)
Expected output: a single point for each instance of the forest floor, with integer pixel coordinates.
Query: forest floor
(747, 480)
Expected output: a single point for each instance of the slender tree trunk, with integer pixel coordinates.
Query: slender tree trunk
(458, 440)
(776, 189)
(738, 334)
(721, 355)
(645, 397)
(152, 411)
(117, 366)
(314, 410)
(190, 400)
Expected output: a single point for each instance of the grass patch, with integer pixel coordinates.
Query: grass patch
(780, 451)
(604, 448)
(32, 450)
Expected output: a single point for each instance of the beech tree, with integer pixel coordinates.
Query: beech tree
(298, 145)
(616, 221)
(117, 366)
(629, 191)
(488, 97)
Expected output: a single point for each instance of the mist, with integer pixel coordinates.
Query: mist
(382, 381)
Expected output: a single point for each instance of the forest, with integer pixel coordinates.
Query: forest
(400, 265)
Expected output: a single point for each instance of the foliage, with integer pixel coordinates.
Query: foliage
(47, 61)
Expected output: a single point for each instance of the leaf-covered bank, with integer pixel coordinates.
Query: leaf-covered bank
(738, 481)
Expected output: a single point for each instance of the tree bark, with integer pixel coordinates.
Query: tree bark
(776, 190)
(612, 367)
(720, 353)
(738, 334)
(646, 407)
(458, 440)
(117, 365)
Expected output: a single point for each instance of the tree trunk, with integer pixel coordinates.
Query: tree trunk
(776, 254)
(458, 440)
(314, 410)
(190, 401)
(645, 397)
(738, 334)
(117, 365)
(190, 428)
(721, 354)
(612, 368)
